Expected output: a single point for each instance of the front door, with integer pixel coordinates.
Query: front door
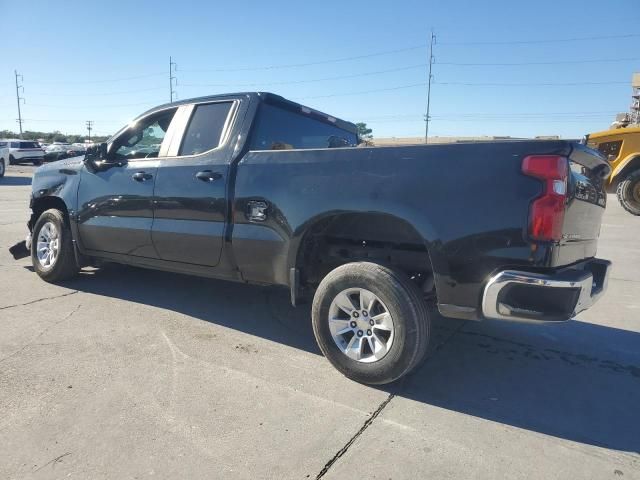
(115, 205)
(190, 190)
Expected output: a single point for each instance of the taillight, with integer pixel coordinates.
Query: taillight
(546, 213)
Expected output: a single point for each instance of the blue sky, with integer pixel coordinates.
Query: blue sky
(78, 60)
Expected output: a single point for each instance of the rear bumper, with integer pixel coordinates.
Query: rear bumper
(535, 297)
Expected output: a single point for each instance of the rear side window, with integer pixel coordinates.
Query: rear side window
(206, 128)
(3, 144)
(280, 129)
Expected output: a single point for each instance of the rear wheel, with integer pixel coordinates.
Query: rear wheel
(52, 253)
(628, 193)
(2, 167)
(371, 322)
(37, 163)
(12, 161)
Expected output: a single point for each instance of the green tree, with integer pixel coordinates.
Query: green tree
(364, 133)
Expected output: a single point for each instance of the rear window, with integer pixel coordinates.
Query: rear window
(29, 145)
(280, 129)
(610, 149)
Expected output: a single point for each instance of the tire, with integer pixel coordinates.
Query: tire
(63, 266)
(12, 161)
(2, 167)
(37, 163)
(396, 294)
(628, 193)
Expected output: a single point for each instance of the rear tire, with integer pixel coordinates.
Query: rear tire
(2, 167)
(37, 163)
(51, 235)
(378, 360)
(628, 193)
(12, 161)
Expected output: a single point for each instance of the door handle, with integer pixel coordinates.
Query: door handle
(141, 176)
(208, 176)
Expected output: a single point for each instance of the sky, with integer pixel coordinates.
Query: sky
(501, 67)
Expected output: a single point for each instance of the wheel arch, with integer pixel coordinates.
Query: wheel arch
(628, 165)
(41, 204)
(352, 236)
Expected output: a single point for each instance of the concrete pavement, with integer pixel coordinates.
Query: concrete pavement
(129, 373)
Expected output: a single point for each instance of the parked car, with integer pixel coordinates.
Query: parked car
(55, 152)
(76, 149)
(621, 147)
(246, 187)
(4, 157)
(24, 151)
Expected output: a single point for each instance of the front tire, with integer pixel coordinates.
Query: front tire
(2, 167)
(37, 163)
(12, 161)
(371, 322)
(52, 253)
(628, 193)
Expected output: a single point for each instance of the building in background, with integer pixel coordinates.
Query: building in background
(633, 116)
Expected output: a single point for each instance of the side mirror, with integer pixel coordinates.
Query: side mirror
(96, 159)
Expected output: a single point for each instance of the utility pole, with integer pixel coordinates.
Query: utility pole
(19, 98)
(173, 66)
(427, 118)
(89, 127)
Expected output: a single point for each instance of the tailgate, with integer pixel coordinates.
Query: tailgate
(586, 201)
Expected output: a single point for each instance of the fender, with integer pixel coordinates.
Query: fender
(628, 160)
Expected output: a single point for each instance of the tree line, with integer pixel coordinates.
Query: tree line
(50, 137)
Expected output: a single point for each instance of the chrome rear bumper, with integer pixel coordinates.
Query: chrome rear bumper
(534, 297)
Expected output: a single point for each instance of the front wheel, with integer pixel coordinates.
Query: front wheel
(2, 167)
(52, 253)
(37, 163)
(628, 193)
(12, 161)
(371, 322)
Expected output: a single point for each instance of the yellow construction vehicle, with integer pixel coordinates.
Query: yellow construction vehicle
(621, 146)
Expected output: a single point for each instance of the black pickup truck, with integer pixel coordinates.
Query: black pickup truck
(255, 188)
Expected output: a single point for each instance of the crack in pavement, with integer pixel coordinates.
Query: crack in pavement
(377, 412)
(49, 327)
(366, 424)
(39, 300)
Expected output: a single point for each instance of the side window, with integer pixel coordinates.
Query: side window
(281, 129)
(144, 139)
(15, 145)
(205, 128)
(3, 144)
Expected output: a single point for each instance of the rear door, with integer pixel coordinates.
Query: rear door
(115, 206)
(190, 206)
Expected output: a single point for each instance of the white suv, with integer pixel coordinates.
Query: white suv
(4, 157)
(21, 151)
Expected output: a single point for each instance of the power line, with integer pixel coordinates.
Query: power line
(550, 40)
(362, 92)
(531, 84)
(83, 82)
(292, 82)
(109, 94)
(307, 64)
(561, 62)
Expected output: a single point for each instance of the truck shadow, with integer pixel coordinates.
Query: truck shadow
(576, 381)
